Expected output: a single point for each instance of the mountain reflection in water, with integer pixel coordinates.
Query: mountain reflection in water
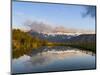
(54, 59)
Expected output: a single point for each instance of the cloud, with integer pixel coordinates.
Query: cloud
(90, 11)
(38, 26)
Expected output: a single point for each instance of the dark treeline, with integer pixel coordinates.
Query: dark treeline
(84, 41)
(23, 41)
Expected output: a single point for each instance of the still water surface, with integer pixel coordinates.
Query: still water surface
(54, 59)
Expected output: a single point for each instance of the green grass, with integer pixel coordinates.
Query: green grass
(91, 46)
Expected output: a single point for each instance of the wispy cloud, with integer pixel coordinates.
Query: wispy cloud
(90, 11)
(43, 27)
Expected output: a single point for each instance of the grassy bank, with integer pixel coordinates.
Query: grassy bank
(86, 46)
(91, 46)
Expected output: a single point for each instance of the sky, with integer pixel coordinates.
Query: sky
(69, 16)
